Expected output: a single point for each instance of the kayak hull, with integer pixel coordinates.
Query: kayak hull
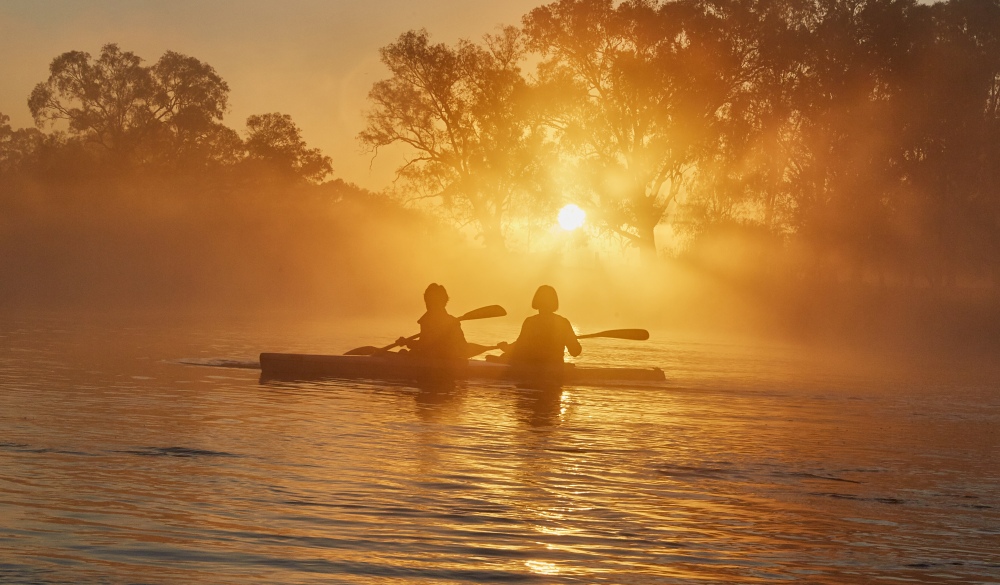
(402, 368)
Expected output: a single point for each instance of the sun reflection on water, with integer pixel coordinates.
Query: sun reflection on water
(542, 567)
(760, 480)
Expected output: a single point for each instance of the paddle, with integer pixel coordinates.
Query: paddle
(480, 313)
(633, 334)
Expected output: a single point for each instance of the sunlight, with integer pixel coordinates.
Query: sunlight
(571, 217)
(542, 567)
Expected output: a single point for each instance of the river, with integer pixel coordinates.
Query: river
(122, 463)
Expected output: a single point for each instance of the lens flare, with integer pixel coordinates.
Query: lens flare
(571, 217)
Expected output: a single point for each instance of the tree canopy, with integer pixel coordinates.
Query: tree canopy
(853, 136)
(168, 115)
(121, 105)
(861, 131)
(463, 112)
(274, 141)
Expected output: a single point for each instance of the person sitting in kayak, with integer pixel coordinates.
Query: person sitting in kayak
(441, 335)
(543, 336)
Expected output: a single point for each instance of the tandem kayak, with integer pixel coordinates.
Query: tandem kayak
(298, 366)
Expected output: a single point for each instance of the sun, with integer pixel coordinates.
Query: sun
(571, 217)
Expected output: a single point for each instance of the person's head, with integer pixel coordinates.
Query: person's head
(545, 300)
(435, 297)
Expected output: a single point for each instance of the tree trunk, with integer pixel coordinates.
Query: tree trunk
(492, 234)
(647, 244)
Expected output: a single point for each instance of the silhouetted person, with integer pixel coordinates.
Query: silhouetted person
(441, 335)
(543, 336)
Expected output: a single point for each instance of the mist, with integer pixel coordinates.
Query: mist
(337, 251)
(819, 176)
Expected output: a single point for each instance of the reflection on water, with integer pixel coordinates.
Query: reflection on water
(122, 465)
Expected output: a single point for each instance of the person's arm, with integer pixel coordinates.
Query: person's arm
(509, 347)
(414, 344)
(571, 342)
(457, 345)
(458, 332)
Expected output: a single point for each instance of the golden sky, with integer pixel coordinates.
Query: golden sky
(312, 59)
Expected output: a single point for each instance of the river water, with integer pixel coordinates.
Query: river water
(752, 463)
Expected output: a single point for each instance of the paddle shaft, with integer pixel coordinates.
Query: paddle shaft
(486, 312)
(633, 334)
(480, 313)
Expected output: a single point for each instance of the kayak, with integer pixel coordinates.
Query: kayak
(298, 366)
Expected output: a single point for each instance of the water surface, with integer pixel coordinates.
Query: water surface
(750, 464)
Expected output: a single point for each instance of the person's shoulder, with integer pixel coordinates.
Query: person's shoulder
(533, 320)
(449, 320)
(562, 320)
(564, 324)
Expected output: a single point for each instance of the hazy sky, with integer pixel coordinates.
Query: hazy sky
(312, 59)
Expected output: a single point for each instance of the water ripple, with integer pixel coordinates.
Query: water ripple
(125, 466)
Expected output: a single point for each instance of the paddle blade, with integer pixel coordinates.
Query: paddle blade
(633, 334)
(484, 313)
(363, 350)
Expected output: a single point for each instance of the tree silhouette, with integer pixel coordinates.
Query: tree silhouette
(745, 172)
(641, 86)
(462, 111)
(122, 106)
(17, 147)
(275, 143)
(953, 144)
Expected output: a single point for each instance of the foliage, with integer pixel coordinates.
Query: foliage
(864, 132)
(17, 147)
(275, 142)
(121, 116)
(134, 112)
(852, 138)
(464, 113)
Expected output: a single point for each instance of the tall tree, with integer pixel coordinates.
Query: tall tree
(121, 105)
(461, 113)
(642, 85)
(952, 106)
(744, 175)
(853, 127)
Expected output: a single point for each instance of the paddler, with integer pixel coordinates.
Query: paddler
(544, 336)
(441, 335)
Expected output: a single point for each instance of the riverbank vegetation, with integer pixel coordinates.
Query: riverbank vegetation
(826, 165)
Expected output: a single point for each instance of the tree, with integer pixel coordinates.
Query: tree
(744, 174)
(17, 147)
(275, 143)
(641, 88)
(952, 105)
(848, 179)
(188, 104)
(463, 113)
(124, 107)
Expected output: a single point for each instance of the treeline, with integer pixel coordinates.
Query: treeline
(113, 116)
(829, 139)
(775, 150)
(132, 191)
